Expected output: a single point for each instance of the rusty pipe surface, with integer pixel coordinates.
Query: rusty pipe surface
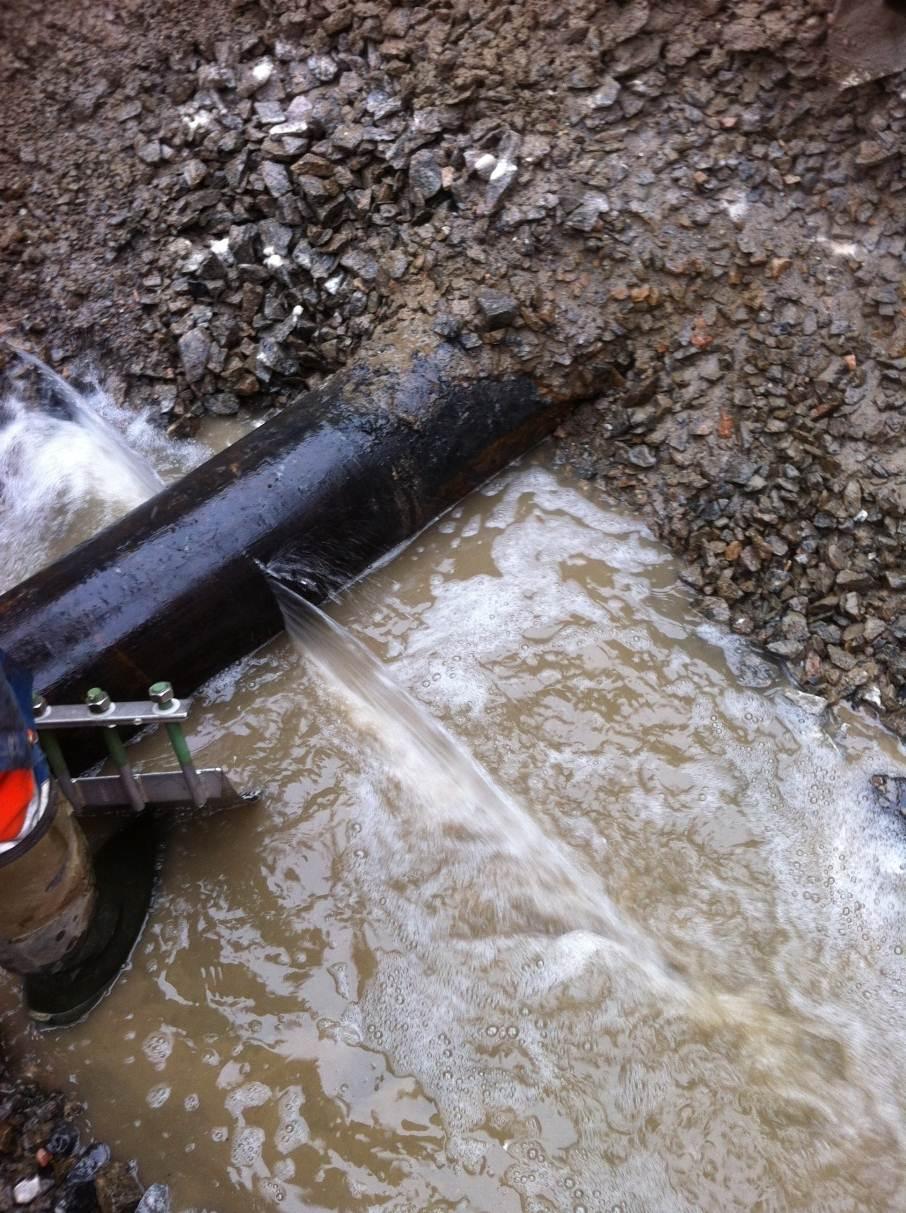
(344, 475)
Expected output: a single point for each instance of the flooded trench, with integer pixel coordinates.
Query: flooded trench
(647, 956)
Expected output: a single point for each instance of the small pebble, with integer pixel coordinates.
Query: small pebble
(27, 1190)
(155, 1200)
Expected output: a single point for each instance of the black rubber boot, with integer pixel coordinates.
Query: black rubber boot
(125, 870)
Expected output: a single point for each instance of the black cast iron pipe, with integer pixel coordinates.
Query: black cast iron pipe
(172, 590)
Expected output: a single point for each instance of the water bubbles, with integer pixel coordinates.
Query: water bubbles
(157, 1047)
(248, 1143)
(273, 1190)
(285, 1169)
(291, 1134)
(250, 1095)
(192, 1102)
(157, 1096)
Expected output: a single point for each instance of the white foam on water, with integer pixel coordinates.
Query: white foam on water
(68, 472)
(798, 1042)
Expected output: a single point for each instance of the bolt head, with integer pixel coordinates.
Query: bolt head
(161, 692)
(97, 700)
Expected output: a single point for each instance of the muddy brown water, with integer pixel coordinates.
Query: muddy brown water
(646, 956)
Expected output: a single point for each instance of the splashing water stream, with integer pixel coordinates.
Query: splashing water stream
(418, 757)
(555, 901)
(71, 462)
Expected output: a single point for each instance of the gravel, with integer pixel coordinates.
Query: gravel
(670, 211)
(45, 1166)
(498, 310)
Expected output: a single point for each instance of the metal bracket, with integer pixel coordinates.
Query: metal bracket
(92, 795)
(81, 716)
(103, 794)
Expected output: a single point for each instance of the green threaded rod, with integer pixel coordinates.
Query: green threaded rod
(162, 694)
(99, 702)
(50, 744)
(187, 766)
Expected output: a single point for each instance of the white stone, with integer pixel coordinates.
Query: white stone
(26, 1190)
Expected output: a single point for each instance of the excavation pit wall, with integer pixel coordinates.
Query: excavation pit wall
(674, 202)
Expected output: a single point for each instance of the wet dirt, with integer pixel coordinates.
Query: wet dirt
(671, 210)
(648, 958)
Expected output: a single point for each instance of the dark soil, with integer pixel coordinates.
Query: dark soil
(667, 208)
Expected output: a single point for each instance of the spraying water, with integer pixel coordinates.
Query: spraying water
(71, 461)
(429, 770)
